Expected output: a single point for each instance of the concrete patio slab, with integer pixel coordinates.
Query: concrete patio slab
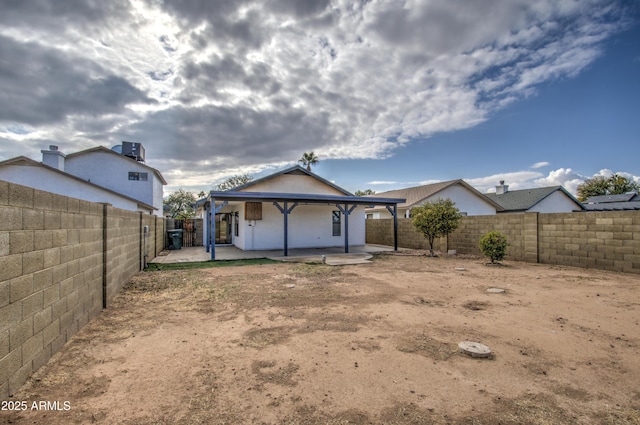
(333, 255)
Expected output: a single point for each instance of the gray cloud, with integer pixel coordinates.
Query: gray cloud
(242, 83)
(43, 85)
(60, 15)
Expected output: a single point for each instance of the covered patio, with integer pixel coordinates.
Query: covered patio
(286, 203)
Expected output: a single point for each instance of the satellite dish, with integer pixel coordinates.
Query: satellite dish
(117, 149)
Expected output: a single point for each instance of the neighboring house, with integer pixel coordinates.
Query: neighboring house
(554, 199)
(468, 201)
(30, 173)
(97, 175)
(293, 208)
(623, 202)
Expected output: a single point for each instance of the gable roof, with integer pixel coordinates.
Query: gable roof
(295, 170)
(28, 162)
(525, 199)
(110, 152)
(416, 195)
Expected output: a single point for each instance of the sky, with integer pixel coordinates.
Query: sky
(388, 94)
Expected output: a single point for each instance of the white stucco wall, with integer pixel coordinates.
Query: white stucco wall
(310, 226)
(293, 183)
(50, 181)
(111, 170)
(466, 202)
(556, 202)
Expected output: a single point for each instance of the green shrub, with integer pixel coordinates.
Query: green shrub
(494, 245)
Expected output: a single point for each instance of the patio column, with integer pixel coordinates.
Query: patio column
(394, 212)
(212, 225)
(346, 211)
(286, 211)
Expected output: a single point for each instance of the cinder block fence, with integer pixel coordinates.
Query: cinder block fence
(608, 240)
(62, 260)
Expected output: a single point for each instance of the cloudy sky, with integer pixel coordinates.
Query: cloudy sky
(388, 94)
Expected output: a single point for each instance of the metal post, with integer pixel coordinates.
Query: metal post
(347, 212)
(286, 211)
(395, 227)
(212, 229)
(286, 229)
(205, 224)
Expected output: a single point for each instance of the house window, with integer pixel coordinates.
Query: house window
(138, 176)
(236, 226)
(336, 218)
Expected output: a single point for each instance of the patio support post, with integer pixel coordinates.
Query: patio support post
(286, 211)
(347, 212)
(205, 224)
(212, 226)
(395, 227)
(394, 212)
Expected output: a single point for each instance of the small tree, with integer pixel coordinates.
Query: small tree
(436, 219)
(180, 204)
(233, 182)
(493, 245)
(365, 192)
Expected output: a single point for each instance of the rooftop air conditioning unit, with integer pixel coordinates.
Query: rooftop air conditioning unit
(133, 150)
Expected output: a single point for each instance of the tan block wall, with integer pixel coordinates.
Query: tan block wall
(608, 240)
(52, 271)
(604, 240)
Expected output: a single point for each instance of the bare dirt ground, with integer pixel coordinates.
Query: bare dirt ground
(359, 344)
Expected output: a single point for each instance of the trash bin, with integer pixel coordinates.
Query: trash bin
(175, 238)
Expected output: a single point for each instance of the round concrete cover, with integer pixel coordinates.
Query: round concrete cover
(474, 349)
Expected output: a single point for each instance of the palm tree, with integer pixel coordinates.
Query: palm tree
(308, 159)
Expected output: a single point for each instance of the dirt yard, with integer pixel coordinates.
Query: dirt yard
(360, 344)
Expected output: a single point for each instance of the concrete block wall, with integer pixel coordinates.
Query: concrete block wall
(607, 240)
(53, 272)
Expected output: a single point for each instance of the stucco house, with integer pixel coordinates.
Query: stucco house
(118, 177)
(292, 208)
(553, 199)
(467, 199)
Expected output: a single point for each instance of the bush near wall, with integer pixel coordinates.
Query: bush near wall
(61, 261)
(608, 240)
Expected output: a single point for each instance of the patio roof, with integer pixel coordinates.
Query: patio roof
(307, 198)
(345, 203)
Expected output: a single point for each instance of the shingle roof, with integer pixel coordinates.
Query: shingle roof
(625, 197)
(613, 206)
(523, 200)
(416, 195)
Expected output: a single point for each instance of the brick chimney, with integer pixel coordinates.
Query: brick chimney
(53, 157)
(502, 188)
